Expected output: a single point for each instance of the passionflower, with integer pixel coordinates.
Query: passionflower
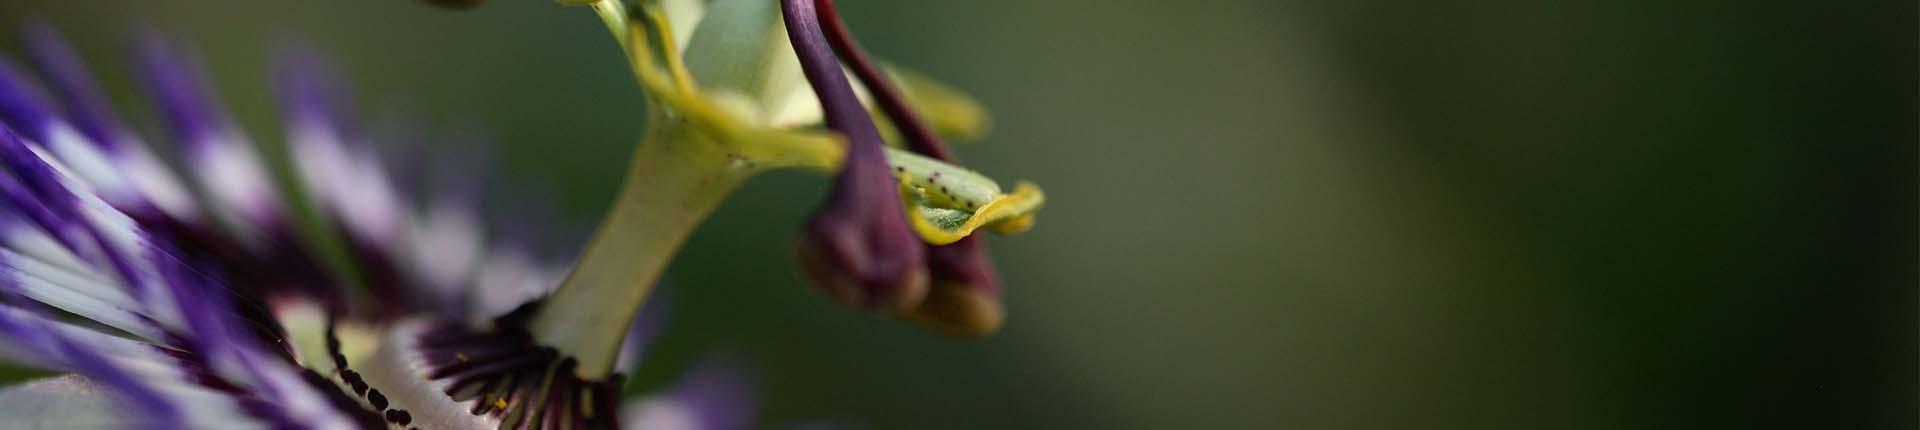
(199, 301)
(743, 86)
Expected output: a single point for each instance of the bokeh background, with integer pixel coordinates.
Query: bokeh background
(1264, 213)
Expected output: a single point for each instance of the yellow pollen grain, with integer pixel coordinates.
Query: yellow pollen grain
(460, 356)
(500, 403)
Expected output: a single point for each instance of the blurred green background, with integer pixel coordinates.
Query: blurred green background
(1263, 213)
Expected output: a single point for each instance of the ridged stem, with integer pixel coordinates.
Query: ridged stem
(676, 178)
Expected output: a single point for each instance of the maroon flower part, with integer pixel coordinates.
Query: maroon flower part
(858, 248)
(964, 295)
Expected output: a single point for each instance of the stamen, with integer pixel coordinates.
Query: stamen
(859, 247)
(965, 298)
(919, 137)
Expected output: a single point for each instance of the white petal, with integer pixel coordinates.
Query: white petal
(62, 402)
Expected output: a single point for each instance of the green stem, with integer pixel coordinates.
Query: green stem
(677, 176)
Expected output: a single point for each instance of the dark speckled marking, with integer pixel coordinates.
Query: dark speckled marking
(379, 401)
(353, 380)
(399, 416)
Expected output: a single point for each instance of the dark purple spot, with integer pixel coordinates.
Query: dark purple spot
(378, 400)
(353, 379)
(399, 416)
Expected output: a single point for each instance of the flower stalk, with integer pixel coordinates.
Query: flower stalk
(677, 176)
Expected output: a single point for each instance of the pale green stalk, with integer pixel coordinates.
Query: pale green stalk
(676, 178)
